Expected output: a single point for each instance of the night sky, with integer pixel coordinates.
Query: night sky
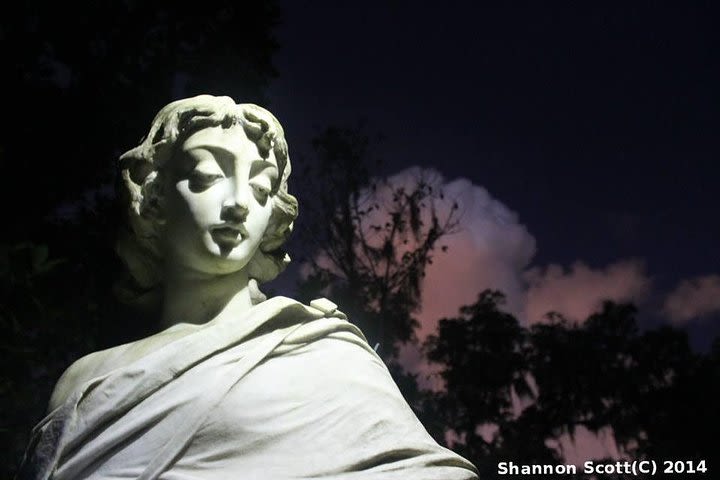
(595, 125)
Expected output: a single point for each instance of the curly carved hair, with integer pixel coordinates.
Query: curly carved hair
(142, 169)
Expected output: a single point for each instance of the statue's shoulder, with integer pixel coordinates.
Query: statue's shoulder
(79, 372)
(99, 363)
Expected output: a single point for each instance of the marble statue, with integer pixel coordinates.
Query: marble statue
(236, 386)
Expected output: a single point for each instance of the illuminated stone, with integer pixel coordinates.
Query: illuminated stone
(235, 386)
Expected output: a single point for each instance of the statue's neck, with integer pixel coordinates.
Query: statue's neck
(194, 298)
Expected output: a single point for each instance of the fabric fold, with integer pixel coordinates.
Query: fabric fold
(271, 395)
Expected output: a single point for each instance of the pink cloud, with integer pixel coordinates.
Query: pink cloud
(580, 291)
(492, 249)
(693, 299)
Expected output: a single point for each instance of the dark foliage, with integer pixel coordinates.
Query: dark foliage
(655, 394)
(85, 79)
(88, 76)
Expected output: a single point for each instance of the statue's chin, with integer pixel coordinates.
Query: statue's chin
(227, 256)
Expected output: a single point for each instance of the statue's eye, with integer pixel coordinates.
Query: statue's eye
(261, 192)
(199, 181)
(261, 187)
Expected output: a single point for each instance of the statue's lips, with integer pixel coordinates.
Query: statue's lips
(227, 235)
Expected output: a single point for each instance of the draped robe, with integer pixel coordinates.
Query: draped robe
(288, 392)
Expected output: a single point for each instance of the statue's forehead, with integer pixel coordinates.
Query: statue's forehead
(233, 140)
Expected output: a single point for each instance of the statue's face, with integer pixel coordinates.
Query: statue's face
(218, 202)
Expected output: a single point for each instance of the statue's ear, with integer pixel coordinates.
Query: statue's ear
(136, 161)
(137, 167)
(266, 266)
(275, 235)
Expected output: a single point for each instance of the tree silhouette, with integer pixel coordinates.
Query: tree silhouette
(650, 388)
(372, 240)
(485, 366)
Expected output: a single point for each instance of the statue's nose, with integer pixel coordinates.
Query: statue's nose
(234, 213)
